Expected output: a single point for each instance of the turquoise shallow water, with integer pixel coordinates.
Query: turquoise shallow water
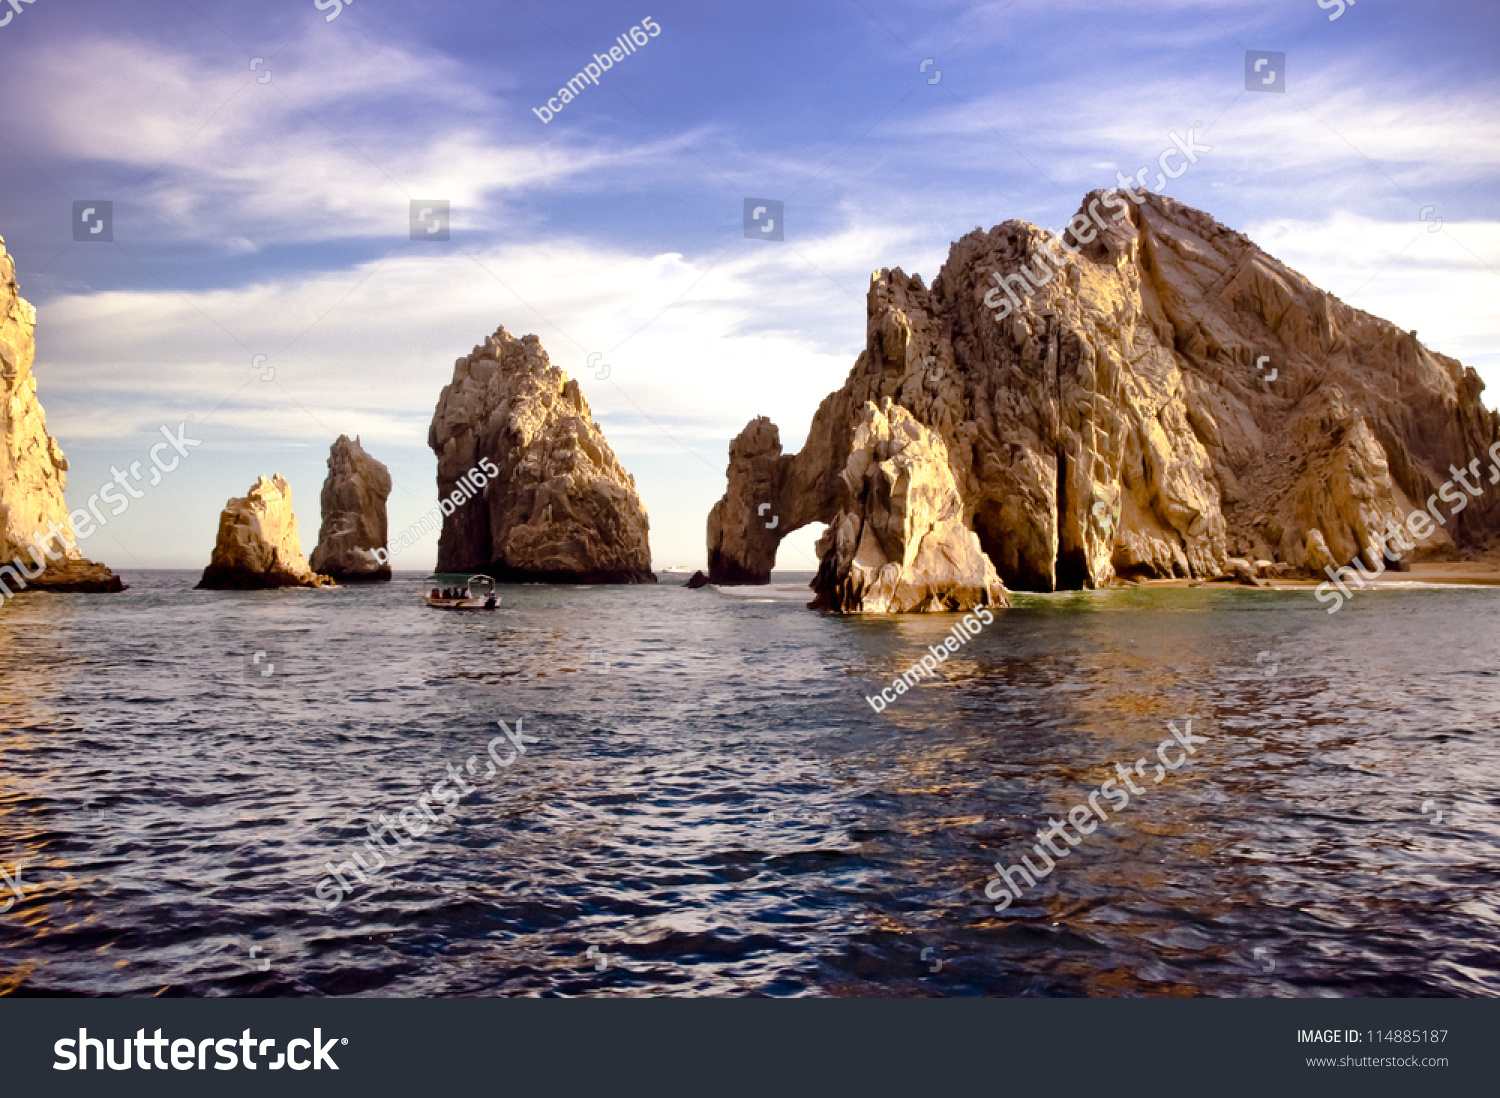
(710, 807)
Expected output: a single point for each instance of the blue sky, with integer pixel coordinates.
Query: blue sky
(258, 216)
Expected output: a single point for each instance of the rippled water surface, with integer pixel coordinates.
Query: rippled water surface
(710, 806)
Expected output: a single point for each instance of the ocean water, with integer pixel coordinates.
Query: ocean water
(709, 805)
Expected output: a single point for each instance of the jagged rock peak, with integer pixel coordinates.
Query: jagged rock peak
(559, 507)
(1147, 395)
(37, 547)
(354, 515)
(257, 546)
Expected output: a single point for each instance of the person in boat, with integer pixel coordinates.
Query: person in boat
(489, 603)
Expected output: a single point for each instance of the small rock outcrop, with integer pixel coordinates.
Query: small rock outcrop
(258, 547)
(1241, 571)
(899, 543)
(1145, 396)
(558, 506)
(36, 536)
(354, 516)
(695, 581)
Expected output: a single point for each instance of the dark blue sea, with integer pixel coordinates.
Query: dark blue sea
(707, 805)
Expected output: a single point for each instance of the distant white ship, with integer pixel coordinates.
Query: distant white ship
(679, 571)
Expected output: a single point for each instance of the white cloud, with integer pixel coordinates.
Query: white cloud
(217, 157)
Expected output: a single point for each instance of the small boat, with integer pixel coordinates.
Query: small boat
(477, 594)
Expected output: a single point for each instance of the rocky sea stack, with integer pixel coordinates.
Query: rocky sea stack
(561, 508)
(258, 547)
(354, 517)
(1151, 398)
(898, 542)
(36, 548)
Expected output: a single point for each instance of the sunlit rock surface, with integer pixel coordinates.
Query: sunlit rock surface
(258, 545)
(898, 542)
(1160, 396)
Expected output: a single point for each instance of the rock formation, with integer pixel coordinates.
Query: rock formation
(560, 508)
(1147, 395)
(354, 520)
(36, 535)
(742, 539)
(898, 542)
(258, 545)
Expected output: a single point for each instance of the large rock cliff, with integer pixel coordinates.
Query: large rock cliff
(257, 546)
(354, 518)
(1155, 396)
(35, 531)
(558, 508)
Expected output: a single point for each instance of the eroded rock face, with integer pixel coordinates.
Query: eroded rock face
(354, 516)
(743, 530)
(561, 508)
(35, 532)
(899, 542)
(258, 545)
(1114, 412)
